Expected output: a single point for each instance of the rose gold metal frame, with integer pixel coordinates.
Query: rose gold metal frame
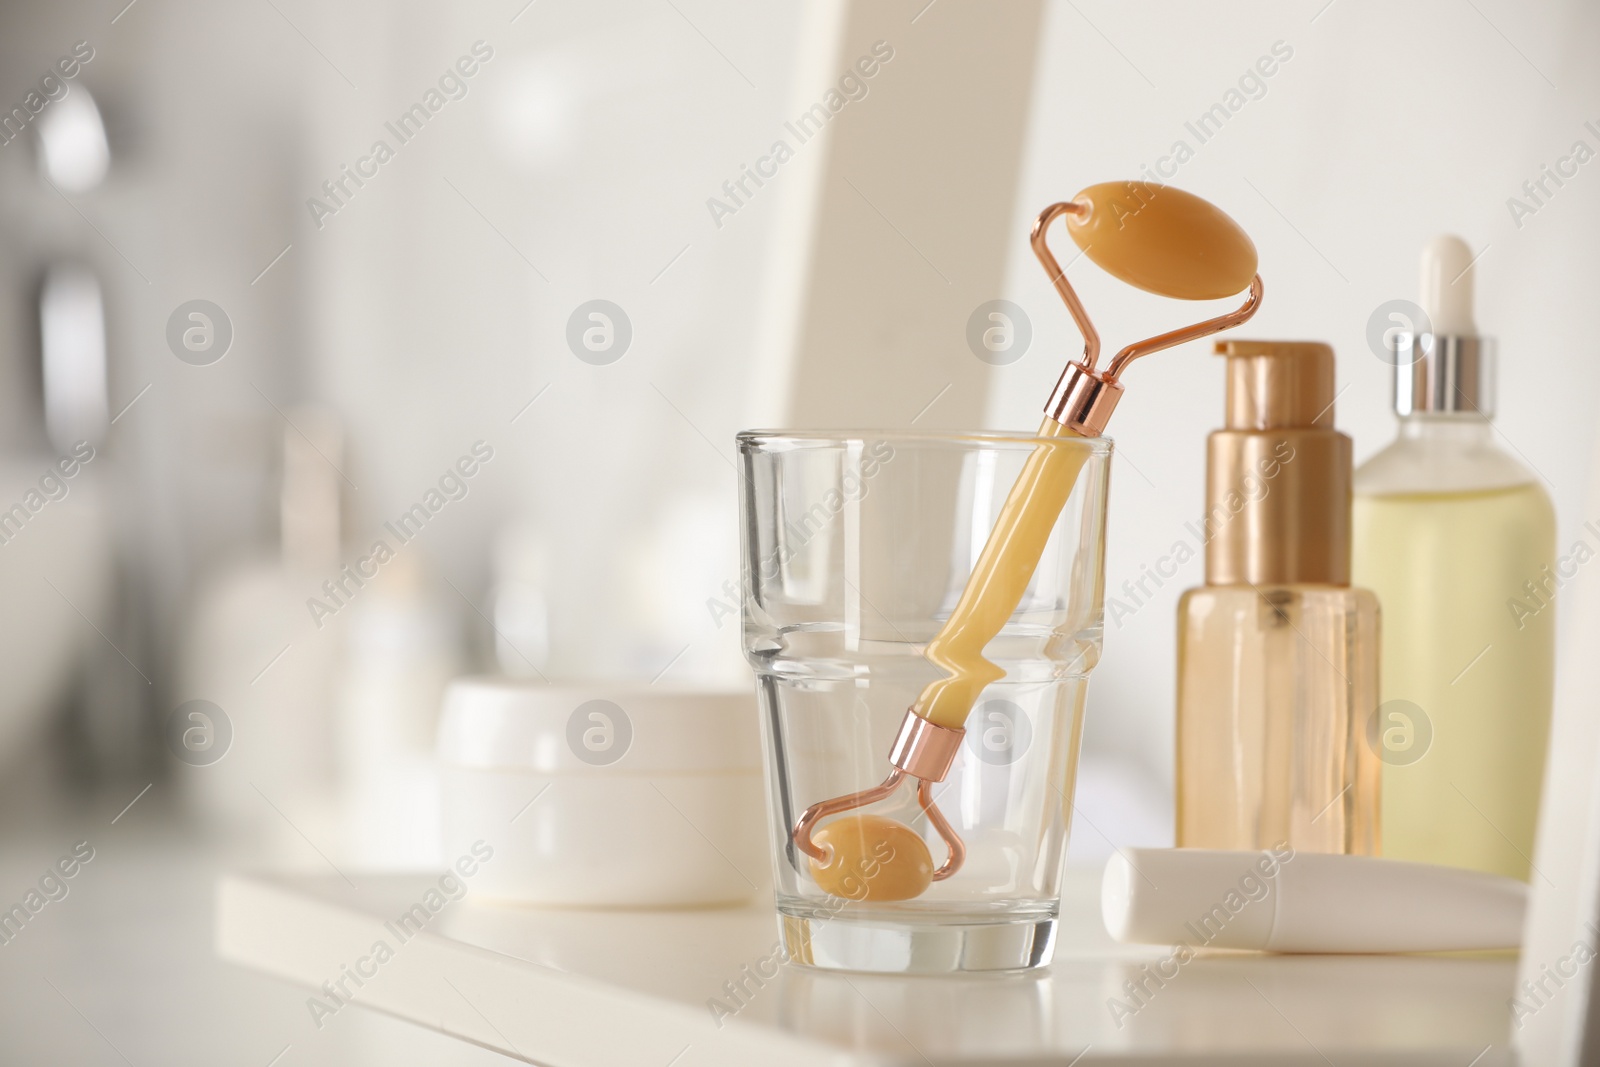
(1085, 396)
(922, 750)
(824, 808)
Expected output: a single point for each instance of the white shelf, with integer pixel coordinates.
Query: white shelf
(571, 988)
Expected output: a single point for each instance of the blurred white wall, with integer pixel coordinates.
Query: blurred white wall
(576, 167)
(1386, 125)
(432, 307)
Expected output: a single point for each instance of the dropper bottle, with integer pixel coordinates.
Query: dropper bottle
(1457, 538)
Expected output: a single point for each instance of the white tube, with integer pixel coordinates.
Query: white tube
(1287, 901)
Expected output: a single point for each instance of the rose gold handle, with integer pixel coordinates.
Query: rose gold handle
(1085, 396)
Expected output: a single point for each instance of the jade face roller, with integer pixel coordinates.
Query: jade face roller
(1154, 237)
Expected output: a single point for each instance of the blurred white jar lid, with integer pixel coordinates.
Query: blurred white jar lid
(599, 728)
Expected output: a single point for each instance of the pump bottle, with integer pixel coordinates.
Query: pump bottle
(1277, 653)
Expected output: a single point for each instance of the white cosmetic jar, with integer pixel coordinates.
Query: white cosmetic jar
(604, 795)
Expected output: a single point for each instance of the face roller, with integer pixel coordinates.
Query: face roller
(1156, 238)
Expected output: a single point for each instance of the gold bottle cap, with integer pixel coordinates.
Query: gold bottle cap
(1274, 385)
(1278, 474)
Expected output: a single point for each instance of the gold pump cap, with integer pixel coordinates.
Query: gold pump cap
(1278, 473)
(1278, 384)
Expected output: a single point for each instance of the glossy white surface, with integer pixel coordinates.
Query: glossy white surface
(602, 988)
(121, 970)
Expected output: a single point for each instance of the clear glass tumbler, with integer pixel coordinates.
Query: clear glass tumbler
(856, 548)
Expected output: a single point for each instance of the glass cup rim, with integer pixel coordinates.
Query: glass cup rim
(765, 440)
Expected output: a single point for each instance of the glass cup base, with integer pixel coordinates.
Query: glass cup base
(901, 944)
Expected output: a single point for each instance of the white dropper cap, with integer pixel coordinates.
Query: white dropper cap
(1447, 369)
(1447, 286)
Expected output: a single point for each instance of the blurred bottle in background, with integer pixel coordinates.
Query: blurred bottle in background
(252, 649)
(521, 604)
(402, 646)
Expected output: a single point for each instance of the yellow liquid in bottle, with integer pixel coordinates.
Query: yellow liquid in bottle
(1275, 687)
(1445, 566)
(999, 579)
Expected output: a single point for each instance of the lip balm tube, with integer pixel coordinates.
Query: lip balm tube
(1279, 900)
